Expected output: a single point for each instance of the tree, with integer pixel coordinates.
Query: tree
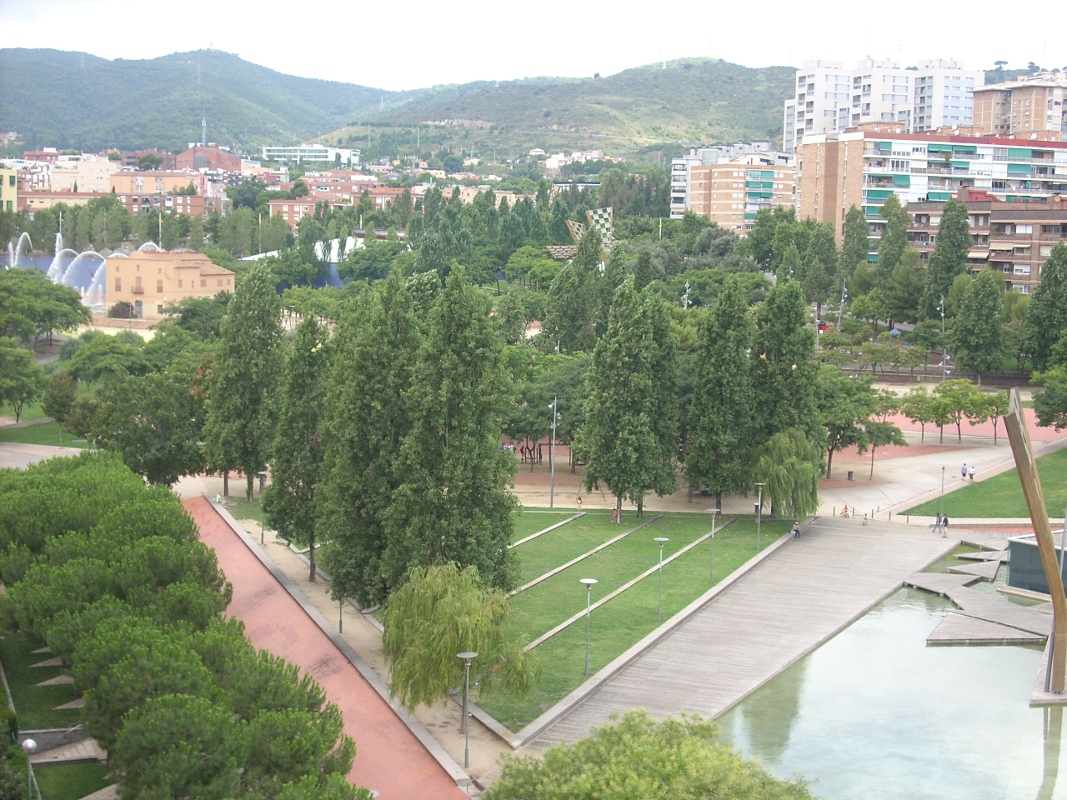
(239, 428)
(949, 258)
(905, 289)
(918, 407)
(572, 307)
(977, 332)
(636, 756)
(895, 239)
(155, 423)
(790, 464)
(452, 502)
(845, 406)
(21, 379)
(443, 610)
(59, 397)
(149, 161)
(1050, 406)
(952, 399)
(856, 243)
(366, 419)
(990, 407)
(1046, 319)
(617, 440)
(718, 448)
(296, 459)
(881, 434)
(783, 371)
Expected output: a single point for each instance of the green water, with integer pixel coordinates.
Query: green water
(875, 714)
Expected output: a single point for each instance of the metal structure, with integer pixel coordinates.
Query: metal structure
(588, 583)
(467, 658)
(662, 540)
(1026, 464)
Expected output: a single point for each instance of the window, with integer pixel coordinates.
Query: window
(118, 284)
(203, 283)
(159, 287)
(1024, 228)
(1022, 269)
(219, 283)
(180, 282)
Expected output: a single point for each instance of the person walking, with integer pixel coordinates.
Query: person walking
(796, 530)
(944, 526)
(963, 472)
(937, 522)
(970, 473)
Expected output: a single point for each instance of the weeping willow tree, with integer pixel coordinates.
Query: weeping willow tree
(442, 611)
(790, 465)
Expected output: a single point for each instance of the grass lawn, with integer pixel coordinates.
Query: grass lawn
(35, 704)
(557, 547)
(240, 508)
(1001, 495)
(530, 521)
(70, 781)
(30, 411)
(45, 433)
(623, 621)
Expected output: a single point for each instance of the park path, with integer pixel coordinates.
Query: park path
(783, 608)
(389, 757)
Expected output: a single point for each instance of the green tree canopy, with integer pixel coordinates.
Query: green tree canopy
(949, 258)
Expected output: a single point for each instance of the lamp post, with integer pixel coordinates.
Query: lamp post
(662, 541)
(30, 746)
(944, 354)
(589, 583)
(552, 457)
(714, 517)
(759, 515)
(262, 480)
(340, 615)
(941, 523)
(467, 658)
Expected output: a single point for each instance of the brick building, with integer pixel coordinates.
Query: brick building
(150, 281)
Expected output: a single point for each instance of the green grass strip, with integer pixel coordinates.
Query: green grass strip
(46, 433)
(1001, 495)
(70, 781)
(35, 704)
(529, 521)
(549, 529)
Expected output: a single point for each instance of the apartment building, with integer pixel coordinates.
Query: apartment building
(1034, 105)
(315, 153)
(150, 281)
(82, 173)
(731, 194)
(746, 153)
(830, 99)
(9, 189)
(1015, 238)
(139, 182)
(863, 167)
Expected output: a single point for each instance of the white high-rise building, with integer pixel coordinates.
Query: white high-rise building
(830, 99)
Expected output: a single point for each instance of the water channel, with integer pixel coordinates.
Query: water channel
(875, 713)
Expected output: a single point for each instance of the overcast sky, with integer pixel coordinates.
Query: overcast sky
(420, 43)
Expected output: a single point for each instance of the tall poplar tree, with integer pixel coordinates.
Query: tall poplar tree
(978, 330)
(296, 461)
(366, 419)
(895, 239)
(949, 258)
(1046, 318)
(453, 501)
(718, 450)
(239, 429)
(856, 243)
(783, 370)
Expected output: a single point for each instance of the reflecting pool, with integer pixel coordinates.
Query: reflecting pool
(875, 714)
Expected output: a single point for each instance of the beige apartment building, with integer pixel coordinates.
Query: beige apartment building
(1015, 238)
(130, 182)
(731, 194)
(82, 173)
(1033, 106)
(150, 281)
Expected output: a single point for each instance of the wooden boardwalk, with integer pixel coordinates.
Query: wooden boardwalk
(785, 607)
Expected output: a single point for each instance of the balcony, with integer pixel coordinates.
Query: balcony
(137, 290)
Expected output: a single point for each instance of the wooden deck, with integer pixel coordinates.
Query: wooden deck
(807, 591)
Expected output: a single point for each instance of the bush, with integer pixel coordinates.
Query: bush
(121, 310)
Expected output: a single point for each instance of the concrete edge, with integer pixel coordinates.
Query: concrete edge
(433, 747)
(1039, 697)
(26, 423)
(550, 528)
(576, 697)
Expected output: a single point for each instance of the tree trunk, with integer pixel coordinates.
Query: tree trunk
(871, 476)
(311, 559)
(829, 462)
(640, 509)
(250, 487)
(618, 509)
(226, 484)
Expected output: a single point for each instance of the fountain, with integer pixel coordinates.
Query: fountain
(56, 268)
(14, 253)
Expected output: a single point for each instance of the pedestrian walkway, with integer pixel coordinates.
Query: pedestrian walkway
(785, 607)
(390, 758)
(82, 750)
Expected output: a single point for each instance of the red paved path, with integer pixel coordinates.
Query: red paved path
(388, 756)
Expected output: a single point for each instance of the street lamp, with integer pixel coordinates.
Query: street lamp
(589, 583)
(759, 514)
(467, 658)
(714, 517)
(944, 355)
(662, 541)
(30, 746)
(262, 480)
(941, 519)
(552, 457)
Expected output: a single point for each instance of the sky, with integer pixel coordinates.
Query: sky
(423, 43)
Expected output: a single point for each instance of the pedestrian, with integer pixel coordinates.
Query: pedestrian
(970, 473)
(944, 526)
(615, 516)
(963, 472)
(937, 522)
(579, 502)
(796, 530)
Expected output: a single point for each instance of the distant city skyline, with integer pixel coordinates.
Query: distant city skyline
(414, 45)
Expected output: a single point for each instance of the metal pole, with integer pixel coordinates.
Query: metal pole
(662, 541)
(714, 517)
(340, 616)
(552, 458)
(589, 582)
(941, 521)
(759, 515)
(261, 532)
(30, 746)
(467, 656)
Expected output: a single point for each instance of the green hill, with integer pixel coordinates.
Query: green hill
(78, 101)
